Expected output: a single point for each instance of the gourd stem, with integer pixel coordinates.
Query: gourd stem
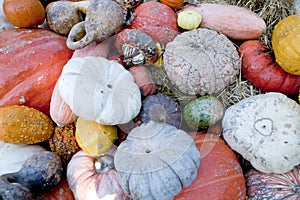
(104, 163)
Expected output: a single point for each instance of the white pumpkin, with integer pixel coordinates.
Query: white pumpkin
(99, 89)
(265, 130)
(12, 156)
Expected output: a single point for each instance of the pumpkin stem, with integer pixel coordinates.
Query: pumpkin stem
(104, 163)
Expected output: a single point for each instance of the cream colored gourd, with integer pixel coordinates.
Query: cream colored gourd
(189, 19)
(99, 89)
(12, 156)
(156, 161)
(264, 129)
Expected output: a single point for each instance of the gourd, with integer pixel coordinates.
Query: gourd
(235, 22)
(94, 138)
(174, 4)
(268, 185)
(203, 112)
(220, 174)
(24, 125)
(94, 178)
(200, 62)
(264, 129)
(161, 108)
(156, 161)
(285, 42)
(24, 13)
(144, 79)
(11, 159)
(63, 142)
(189, 19)
(39, 173)
(157, 20)
(29, 80)
(260, 69)
(100, 90)
(4, 23)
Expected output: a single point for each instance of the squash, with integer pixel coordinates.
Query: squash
(174, 4)
(4, 23)
(12, 159)
(264, 129)
(100, 49)
(267, 185)
(97, 89)
(235, 22)
(157, 20)
(201, 62)
(261, 70)
(40, 173)
(220, 174)
(203, 112)
(24, 13)
(285, 43)
(24, 125)
(31, 61)
(61, 192)
(143, 78)
(156, 161)
(94, 178)
(189, 19)
(60, 112)
(63, 142)
(161, 108)
(93, 138)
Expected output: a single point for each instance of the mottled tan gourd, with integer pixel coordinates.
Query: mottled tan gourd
(264, 129)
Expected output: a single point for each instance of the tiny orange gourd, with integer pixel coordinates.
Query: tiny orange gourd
(24, 13)
(286, 42)
(174, 4)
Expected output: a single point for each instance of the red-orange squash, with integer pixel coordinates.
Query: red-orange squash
(31, 61)
(157, 20)
(260, 69)
(219, 176)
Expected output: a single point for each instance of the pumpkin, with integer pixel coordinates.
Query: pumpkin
(235, 22)
(24, 13)
(219, 176)
(40, 173)
(189, 19)
(12, 159)
(200, 62)
(156, 161)
(94, 178)
(93, 138)
(61, 192)
(24, 125)
(285, 42)
(100, 90)
(161, 108)
(157, 20)
(264, 129)
(4, 23)
(31, 61)
(63, 142)
(143, 78)
(261, 70)
(60, 112)
(203, 112)
(103, 19)
(174, 4)
(61, 16)
(269, 186)
(100, 49)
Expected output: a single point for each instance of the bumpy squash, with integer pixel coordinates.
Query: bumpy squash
(31, 61)
(285, 43)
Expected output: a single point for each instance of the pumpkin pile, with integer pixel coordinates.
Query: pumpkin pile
(169, 99)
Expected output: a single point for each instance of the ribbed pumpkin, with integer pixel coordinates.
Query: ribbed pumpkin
(189, 19)
(261, 70)
(31, 61)
(286, 42)
(24, 13)
(220, 175)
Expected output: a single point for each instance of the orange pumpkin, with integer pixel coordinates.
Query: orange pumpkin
(174, 4)
(24, 13)
(260, 69)
(220, 175)
(31, 61)
(157, 20)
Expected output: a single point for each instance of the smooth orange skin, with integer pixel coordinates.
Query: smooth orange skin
(24, 13)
